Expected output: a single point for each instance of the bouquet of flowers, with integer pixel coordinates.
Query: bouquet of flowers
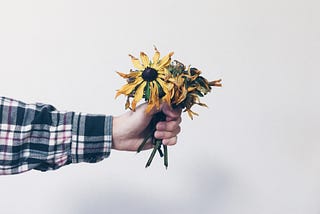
(162, 80)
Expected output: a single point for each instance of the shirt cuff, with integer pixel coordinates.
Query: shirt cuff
(91, 138)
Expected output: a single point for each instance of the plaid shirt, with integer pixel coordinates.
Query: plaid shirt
(37, 136)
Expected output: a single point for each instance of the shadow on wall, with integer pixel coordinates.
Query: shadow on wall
(206, 190)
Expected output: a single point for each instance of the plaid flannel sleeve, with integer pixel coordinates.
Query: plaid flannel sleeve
(37, 136)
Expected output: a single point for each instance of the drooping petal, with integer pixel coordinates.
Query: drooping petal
(172, 90)
(164, 87)
(202, 104)
(216, 83)
(127, 105)
(149, 107)
(182, 96)
(195, 98)
(157, 99)
(155, 95)
(151, 103)
(138, 95)
(144, 59)
(170, 87)
(191, 113)
(170, 93)
(136, 63)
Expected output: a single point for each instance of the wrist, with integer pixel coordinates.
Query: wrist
(115, 133)
(118, 134)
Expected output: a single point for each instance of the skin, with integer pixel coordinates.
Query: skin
(130, 128)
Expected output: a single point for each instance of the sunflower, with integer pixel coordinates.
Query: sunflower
(148, 81)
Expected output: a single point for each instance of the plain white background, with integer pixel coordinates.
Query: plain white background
(256, 149)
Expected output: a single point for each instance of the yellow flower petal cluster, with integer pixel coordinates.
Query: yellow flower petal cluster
(147, 81)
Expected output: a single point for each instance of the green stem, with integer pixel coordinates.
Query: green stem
(160, 152)
(165, 150)
(155, 148)
(140, 148)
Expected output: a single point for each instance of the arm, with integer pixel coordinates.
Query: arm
(37, 136)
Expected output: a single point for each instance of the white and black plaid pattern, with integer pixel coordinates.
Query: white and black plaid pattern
(37, 136)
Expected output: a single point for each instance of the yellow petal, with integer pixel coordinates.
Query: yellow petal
(191, 113)
(125, 90)
(170, 86)
(180, 80)
(171, 89)
(191, 89)
(151, 103)
(130, 75)
(162, 84)
(165, 89)
(138, 95)
(139, 92)
(162, 76)
(216, 83)
(183, 95)
(155, 95)
(165, 61)
(127, 105)
(149, 107)
(136, 63)
(202, 104)
(144, 59)
(195, 98)
(128, 88)
(156, 56)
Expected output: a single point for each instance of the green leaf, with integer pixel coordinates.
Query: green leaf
(147, 92)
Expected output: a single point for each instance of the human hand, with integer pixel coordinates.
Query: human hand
(130, 128)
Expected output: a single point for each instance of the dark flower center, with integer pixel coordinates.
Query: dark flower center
(149, 74)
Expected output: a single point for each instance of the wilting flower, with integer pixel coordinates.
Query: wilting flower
(147, 81)
(188, 86)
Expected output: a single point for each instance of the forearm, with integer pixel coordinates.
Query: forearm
(37, 136)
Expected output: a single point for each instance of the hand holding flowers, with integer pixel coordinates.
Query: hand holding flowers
(162, 81)
(130, 128)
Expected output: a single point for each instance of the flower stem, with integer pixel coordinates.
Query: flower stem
(145, 141)
(155, 148)
(160, 151)
(165, 150)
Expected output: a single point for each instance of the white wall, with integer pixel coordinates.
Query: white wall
(255, 150)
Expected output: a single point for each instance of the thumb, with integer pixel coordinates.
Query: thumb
(169, 112)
